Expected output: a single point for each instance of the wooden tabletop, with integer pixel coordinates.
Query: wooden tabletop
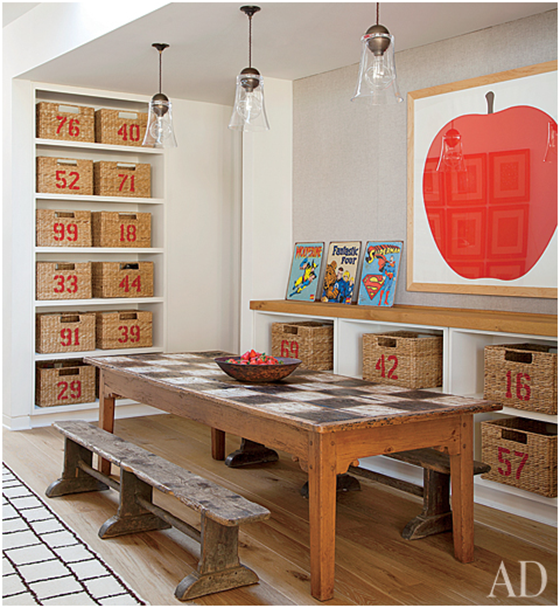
(317, 401)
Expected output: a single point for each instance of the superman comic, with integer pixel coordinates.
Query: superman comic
(379, 273)
(340, 272)
(306, 268)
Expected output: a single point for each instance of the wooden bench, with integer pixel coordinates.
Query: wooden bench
(222, 511)
(436, 515)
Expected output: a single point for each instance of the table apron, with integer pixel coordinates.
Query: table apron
(350, 445)
(224, 417)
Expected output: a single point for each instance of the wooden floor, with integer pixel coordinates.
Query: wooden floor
(374, 565)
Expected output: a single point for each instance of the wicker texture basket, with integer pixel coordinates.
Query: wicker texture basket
(120, 128)
(63, 281)
(522, 376)
(64, 332)
(65, 121)
(522, 453)
(63, 228)
(64, 383)
(124, 329)
(123, 279)
(309, 341)
(113, 229)
(122, 179)
(64, 175)
(403, 358)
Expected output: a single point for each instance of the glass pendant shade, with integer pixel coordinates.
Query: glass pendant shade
(377, 80)
(159, 131)
(451, 156)
(249, 113)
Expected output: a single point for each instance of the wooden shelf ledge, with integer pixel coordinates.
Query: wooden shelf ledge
(462, 318)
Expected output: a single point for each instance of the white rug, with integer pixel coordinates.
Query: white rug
(45, 563)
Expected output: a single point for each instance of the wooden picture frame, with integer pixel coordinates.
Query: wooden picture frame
(468, 224)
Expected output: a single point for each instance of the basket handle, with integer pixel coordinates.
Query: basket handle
(388, 342)
(291, 329)
(69, 318)
(123, 316)
(517, 356)
(65, 266)
(67, 161)
(128, 216)
(64, 214)
(70, 371)
(130, 166)
(128, 115)
(69, 109)
(129, 266)
(514, 436)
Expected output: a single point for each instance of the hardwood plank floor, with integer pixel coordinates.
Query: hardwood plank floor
(374, 564)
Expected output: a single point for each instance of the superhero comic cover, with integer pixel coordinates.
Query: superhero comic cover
(340, 272)
(306, 268)
(380, 270)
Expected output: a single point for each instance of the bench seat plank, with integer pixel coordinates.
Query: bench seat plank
(434, 460)
(221, 505)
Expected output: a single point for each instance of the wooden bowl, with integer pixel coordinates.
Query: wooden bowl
(258, 373)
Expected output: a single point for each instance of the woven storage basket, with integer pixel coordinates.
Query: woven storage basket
(113, 229)
(522, 453)
(123, 279)
(403, 358)
(523, 376)
(64, 175)
(65, 121)
(63, 228)
(65, 332)
(310, 341)
(121, 179)
(124, 329)
(120, 128)
(63, 281)
(64, 383)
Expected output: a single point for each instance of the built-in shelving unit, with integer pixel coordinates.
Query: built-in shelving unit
(465, 334)
(24, 411)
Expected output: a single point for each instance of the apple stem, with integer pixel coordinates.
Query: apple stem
(490, 102)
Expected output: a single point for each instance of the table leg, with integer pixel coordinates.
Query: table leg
(218, 444)
(322, 515)
(106, 418)
(462, 497)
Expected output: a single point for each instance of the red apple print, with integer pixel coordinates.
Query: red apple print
(490, 191)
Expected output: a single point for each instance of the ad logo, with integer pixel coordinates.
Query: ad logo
(506, 582)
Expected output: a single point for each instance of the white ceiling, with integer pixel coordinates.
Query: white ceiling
(208, 42)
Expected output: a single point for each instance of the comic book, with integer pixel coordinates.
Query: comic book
(340, 272)
(380, 271)
(306, 268)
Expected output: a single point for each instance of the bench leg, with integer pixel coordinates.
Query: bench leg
(250, 452)
(73, 479)
(436, 515)
(219, 568)
(131, 517)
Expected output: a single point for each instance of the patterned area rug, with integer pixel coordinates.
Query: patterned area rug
(45, 563)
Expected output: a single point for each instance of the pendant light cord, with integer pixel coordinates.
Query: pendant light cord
(160, 54)
(377, 13)
(250, 37)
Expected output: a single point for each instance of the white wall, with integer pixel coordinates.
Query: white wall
(203, 229)
(267, 206)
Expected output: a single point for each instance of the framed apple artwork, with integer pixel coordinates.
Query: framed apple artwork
(482, 161)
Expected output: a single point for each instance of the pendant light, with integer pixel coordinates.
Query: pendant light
(159, 132)
(377, 81)
(451, 156)
(248, 109)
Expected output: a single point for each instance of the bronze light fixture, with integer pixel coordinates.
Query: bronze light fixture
(249, 113)
(377, 80)
(159, 132)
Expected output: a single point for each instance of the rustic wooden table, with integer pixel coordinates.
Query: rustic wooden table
(327, 421)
